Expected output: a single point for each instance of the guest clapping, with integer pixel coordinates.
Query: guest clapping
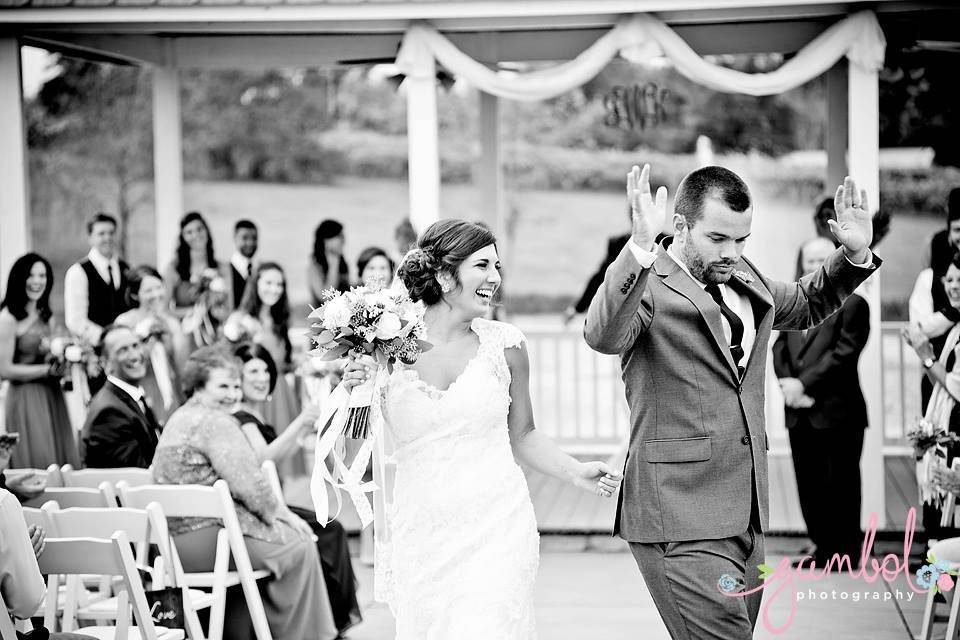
(166, 346)
(120, 430)
(328, 268)
(34, 407)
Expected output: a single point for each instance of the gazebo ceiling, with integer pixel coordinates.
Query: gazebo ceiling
(264, 33)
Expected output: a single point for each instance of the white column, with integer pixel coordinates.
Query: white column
(14, 189)
(864, 163)
(837, 132)
(167, 162)
(490, 174)
(423, 152)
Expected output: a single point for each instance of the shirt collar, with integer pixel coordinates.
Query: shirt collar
(134, 392)
(241, 262)
(101, 262)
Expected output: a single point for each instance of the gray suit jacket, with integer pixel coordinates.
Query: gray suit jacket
(697, 455)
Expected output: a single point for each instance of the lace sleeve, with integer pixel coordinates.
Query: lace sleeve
(504, 335)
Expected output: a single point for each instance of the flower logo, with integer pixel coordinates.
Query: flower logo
(728, 584)
(743, 276)
(938, 575)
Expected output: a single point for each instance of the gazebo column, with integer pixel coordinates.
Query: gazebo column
(490, 174)
(423, 145)
(167, 162)
(864, 161)
(15, 200)
(837, 132)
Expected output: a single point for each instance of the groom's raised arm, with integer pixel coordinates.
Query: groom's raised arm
(622, 308)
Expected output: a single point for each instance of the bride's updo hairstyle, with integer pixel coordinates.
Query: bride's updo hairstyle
(440, 249)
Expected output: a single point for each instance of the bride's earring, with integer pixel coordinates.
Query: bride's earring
(445, 286)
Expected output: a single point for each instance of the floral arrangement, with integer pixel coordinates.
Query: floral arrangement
(73, 362)
(367, 320)
(926, 436)
(211, 291)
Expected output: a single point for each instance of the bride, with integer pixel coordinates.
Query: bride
(463, 538)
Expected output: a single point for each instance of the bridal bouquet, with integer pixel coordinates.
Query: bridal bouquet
(74, 362)
(367, 320)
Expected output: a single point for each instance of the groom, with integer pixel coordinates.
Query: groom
(691, 320)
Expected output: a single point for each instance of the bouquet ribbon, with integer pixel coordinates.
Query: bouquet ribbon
(330, 434)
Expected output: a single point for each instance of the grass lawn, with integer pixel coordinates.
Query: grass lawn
(560, 235)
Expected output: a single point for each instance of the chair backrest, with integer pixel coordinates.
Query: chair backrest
(180, 500)
(91, 478)
(103, 496)
(51, 474)
(40, 517)
(79, 556)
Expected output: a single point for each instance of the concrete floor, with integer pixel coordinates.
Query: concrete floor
(599, 594)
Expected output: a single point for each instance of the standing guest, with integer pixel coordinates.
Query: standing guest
(200, 445)
(264, 318)
(120, 430)
(328, 268)
(405, 237)
(194, 263)
(826, 415)
(258, 375)
(245, 241)
(930, 308)
(95, 287)
(35, 407)
(691, 320)
(375, 267)
(166, 346)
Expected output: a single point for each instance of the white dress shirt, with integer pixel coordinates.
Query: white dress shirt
(242, 264)
(76, 294)
(931, 322)
(21, 584)
(136, 393)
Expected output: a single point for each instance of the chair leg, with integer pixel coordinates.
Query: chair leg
(929, 611)
(954, 615)
(220, 567)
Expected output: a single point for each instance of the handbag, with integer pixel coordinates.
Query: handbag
(166, 607)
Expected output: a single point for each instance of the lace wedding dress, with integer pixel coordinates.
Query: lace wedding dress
(463, 548)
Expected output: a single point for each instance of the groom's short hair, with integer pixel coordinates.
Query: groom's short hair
(710, 182)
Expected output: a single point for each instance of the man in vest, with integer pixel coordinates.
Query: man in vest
(241, 262)
(95, 288)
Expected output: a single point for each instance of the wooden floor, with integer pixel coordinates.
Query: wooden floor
(562, 508)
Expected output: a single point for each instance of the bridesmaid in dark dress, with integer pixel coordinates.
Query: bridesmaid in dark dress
(258, 376)
(35, 407)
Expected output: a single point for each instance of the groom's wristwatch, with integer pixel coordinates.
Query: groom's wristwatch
(928, 362)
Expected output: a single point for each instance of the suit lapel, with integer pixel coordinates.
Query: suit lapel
(130, 403)
(761, 303)
(675, 278)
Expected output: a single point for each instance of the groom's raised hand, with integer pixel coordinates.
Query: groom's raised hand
(853, 227)
(648, 214)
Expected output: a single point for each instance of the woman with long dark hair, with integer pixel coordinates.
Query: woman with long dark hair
(263, 317)
(328, 268)
(35, 407)
(197, 282)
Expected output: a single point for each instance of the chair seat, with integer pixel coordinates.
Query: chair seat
(107, 633)
(206, 579)
(107, 609)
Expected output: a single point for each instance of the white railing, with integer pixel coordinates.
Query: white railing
(578, 396)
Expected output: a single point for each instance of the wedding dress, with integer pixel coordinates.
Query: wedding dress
(460, 555)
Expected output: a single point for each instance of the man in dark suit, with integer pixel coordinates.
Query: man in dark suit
(691, 320)
(120, 430)
(826, 415)
(245, 241)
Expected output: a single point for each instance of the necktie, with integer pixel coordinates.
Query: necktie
(249, 270)
(110, 280)
(736, 324)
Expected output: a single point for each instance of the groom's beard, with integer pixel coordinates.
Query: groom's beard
(700, 268)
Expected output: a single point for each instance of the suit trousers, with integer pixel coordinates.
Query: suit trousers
(827, 467)
(683, 578)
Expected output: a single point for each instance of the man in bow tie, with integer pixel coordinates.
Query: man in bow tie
(691, 319)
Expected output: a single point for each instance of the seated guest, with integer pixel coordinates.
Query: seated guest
(21, 584)
(258, 375)
(375, 267)
(199, 445)
(165, 344)
(120, 430)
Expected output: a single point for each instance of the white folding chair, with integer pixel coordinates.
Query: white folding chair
(930, 603)
(76, 556)
(269, 469)
(51, 474)
(103, 496)
(200, 501)
(91, 478)
(143, 527)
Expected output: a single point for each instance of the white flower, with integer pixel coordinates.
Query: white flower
(388, 326)
(337, 313)
(73, 353)
(218, 285)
